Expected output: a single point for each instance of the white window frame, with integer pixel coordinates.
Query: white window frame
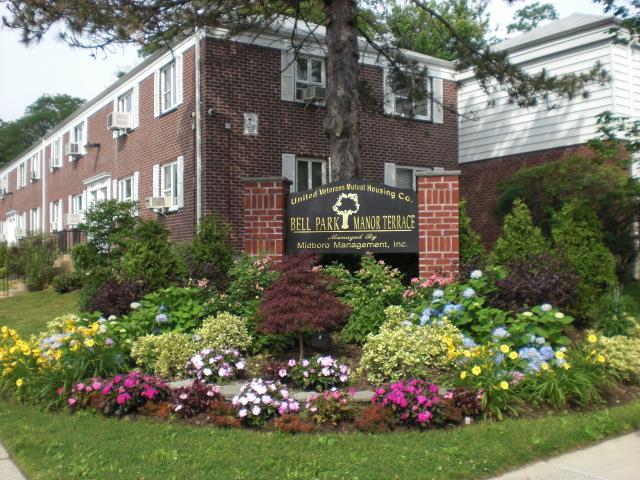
(77, 203)
(429, 99)
(173, 189)
(55, 214)
(308, 82)
(73, 135)
(56, 153)
(98, 191)
(34, 163)
(171, 68)
(21, 175)
(35, 220)
(310, 162)
(121, 189)
(4, 183)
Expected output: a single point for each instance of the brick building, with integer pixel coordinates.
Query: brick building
(212, 111)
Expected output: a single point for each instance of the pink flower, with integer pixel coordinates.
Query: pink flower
(59, 390)
(123, 398)
(421, 399)
(107, 389)
(96, 385)
(380, 391)
(424, 417)
(149, 393)
(72, 401)
(130, 382)
(117, 379)
(80, 386)
(282, 372)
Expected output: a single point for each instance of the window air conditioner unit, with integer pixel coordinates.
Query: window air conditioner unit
(159, 202)
(20, 233)
(311, 94)
(73, 218)
(72, 150)
(119, 121)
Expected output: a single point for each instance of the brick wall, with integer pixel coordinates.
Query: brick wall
(479, 184)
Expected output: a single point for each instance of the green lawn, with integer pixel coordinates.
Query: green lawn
(29, 312)
(58, 446)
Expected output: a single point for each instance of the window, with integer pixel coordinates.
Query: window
(422, 109)
(309, 72)
(35, 167)
(98, 192)
(125, 190)
(35, 220)
(168, 182)
(56, 153)
(56, 216)
(401, 176)
(77, 203)
(310, 174)
(125, 102)
(78, 135)
(168, 98)
(4, 184)
(21, 221)
(22, 175)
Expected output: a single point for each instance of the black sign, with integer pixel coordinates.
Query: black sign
(353, 217)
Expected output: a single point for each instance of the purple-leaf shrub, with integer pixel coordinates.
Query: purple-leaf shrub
(193, 399)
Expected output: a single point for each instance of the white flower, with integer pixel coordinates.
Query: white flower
(468, 293)
(476, 274)
(282, 372)
(343, 378)
(284, 393)
(251, 397)
(207, 372)
(559, 315)
(243, 400)
(291, 363)
(260, 389)
(242, 412)
(546, 307)
(183, 396)
(305, 363)
(111, 318)
(256, 410)
(134, 305)
(240, 365)
(178, 408)
(326, 372)
(266, 399)
(438, 293)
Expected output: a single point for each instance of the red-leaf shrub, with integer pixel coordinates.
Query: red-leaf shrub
(291, 423)
(375, 419)
(300, 301)
(196, 398)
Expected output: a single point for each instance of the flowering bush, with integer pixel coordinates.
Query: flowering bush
(196, 398)
(261, 400)
(622, 355)
(332, 406)
(420, 291)
(407, 351)
(121, 395)
(317, 373)
(412, 402)
(215, 366)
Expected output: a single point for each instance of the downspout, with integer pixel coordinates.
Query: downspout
(198, 132)
(44, 173)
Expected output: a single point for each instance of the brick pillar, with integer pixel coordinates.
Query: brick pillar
(264, 216)
(438, 222)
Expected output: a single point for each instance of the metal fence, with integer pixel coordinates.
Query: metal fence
(67, 239)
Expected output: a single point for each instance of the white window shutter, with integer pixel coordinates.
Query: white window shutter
(389, 97)
(179, 79)
(438, 99)
(70, 204)
(85, 198)
(134, 187)
(289, 169)
(156, 93)
(180, 182)
(85, 134)
(390, 174)
(61, 216)
(135, 106)
(114, 190)
(155, 190)
(115, 133)
(287, 67)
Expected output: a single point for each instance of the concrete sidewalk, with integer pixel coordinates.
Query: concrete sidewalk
(617, 459)
(8, 469)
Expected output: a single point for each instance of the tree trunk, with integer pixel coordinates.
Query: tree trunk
(342, 123)
(301, 345)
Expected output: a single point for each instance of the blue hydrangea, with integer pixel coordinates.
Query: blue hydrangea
(500, 332)
(451, 308)
(467, 342)
(499, 358)
(438, 293)
(540, 340)
(162, 318)
(469, 293)
(162, 308)
(476, 274)
(546, 307)
(547, 353)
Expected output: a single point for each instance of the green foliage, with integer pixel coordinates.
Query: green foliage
(164, 355)
(43, 114)
(604, 185)
(149, 258)
(212, 253)
(224, 331)
(577, 235)
(617, 313)
(67, 282)
(4, 254)
(529, 17)
(37, 254)
(368, 291)
(519, 237)
(414, 29)
(622, 355)
(473, 253)
(408, 351)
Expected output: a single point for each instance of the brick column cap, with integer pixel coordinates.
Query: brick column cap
(438, 173)
(266, 179)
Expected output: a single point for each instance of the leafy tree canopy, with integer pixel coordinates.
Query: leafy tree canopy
(529, 17)
(43, 114)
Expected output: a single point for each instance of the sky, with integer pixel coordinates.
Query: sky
(52, 67)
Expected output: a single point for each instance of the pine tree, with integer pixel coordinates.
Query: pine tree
(300, 301)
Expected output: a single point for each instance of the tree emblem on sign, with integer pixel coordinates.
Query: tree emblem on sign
(346, 205)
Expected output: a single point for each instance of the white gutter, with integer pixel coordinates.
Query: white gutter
(199, 37)
(44, 170)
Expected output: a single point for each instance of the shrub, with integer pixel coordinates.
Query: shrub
(319, 373)
(215, 365)
(38, 254)
(534, 280)
(408, 351)
(212, 253)
(616, 314)
(114, 297)
(473, 254)
(519, 237)
(225, 331)
(375, 419)
(622, 355)
(420, 291)
(165, 355)
(290, 423)
(300, 301)
(67, 282)
(260, 400)
(332, 406)
(411, 402)
(121, 395)
(149, 257)
(576, 233)
(368, 292)
(194, 399)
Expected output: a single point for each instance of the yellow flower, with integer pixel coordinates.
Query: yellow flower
(89, 342)
(592, 338)
(19, 382)
(527, 314)
(463, 375)
(559, 315)
(75, 347)
(566, 366)
(504, 348)
(601, 358)
(513, 355)
(560, 355)
(504, 385)
(544, 366)
(466, 353)
(476, 370)
(7, 371)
